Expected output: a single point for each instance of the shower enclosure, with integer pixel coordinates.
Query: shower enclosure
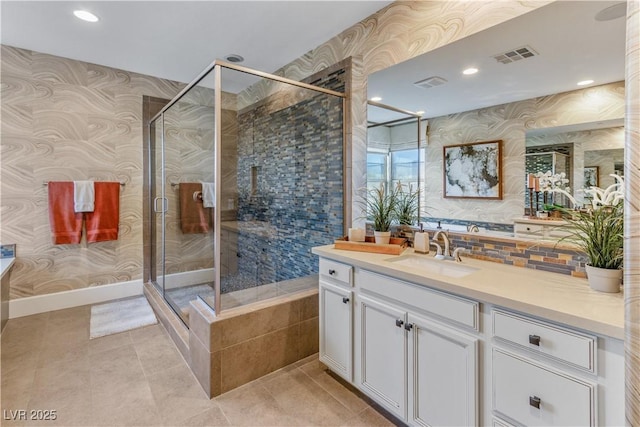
(270, 152)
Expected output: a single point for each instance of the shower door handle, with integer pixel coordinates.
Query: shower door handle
(165, 205)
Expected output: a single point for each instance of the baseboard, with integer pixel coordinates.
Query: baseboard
(66, 299)
(188, 278)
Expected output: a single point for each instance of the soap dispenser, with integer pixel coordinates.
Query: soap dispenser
(421, 241)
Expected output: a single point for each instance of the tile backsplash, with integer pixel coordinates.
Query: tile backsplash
(546, 256)
(8, 251)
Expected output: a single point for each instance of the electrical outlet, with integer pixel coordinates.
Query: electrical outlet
(231, 203)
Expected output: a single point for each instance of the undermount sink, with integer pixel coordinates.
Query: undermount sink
(442, 267)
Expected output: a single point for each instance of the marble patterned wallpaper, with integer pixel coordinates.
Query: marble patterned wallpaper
(70, 120)
(632, 217)
(509, 123)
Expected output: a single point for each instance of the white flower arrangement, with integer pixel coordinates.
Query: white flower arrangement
(549, 182)
(610, 196)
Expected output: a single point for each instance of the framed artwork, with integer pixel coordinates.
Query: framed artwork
(473, 171)
(591, 176)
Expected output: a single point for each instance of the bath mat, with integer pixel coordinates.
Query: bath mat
(120, 316)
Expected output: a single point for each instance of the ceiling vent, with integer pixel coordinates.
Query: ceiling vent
(516, 55)
(430, 82)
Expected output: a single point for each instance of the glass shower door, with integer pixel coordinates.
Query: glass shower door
(183, 166)
(159, 203)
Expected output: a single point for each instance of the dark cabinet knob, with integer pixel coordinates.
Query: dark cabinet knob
(399, 323)
(332, 272)
(534, 339)
(408, 326)
(534, 401)
(345, 300)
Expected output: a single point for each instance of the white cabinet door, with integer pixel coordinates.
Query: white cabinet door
(336, 329)
(383, 362)
(443, 369)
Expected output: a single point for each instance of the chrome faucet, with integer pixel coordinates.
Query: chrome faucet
(472, 227)
(447, 242)
(446, 254)
(456, 254)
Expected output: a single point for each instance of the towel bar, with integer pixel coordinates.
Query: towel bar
(47, 183)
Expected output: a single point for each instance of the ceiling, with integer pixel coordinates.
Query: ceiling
(571, 46)
(178, 39)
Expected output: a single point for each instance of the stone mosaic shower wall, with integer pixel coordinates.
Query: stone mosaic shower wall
(290, 179)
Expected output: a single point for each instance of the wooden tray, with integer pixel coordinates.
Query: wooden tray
(395, 247)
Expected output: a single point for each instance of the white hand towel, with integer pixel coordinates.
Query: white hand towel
(84, 196)
(208, 194)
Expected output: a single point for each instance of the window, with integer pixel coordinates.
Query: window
(405, 165)
(376, 168)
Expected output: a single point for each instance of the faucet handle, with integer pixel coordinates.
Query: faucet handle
(456, 254)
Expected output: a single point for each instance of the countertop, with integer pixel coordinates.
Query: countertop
(556, 297)
(5, 265)
(541, 221)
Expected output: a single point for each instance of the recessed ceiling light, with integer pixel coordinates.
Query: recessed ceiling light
(85, 16)
(376, 99)
(585, 82)
(470, 71)
(234, 57)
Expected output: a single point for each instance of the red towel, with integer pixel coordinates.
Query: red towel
(102, 223)
(194, 218)
(66, 224)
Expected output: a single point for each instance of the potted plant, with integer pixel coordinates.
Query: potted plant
(599, 233)
(381, 208)
(407, 205)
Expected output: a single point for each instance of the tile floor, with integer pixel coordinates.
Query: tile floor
(138, 378)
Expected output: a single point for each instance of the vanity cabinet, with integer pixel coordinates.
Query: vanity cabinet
(423, 371)
(444, 371)
(336, 318)
(537, 367)
(432, 357)
(383, 360)
(541, 229)
(411, 356)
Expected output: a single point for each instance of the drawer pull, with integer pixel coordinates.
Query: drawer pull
(399, 323)
(408, 326)
(345, 300)
(332, 272)
(534, 339)
(534, 401)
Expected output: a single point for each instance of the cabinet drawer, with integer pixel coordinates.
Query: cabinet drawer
(456, 309)
(497, 422)
(336, 270)
(531, 394)
(534, 229)
(561, 344)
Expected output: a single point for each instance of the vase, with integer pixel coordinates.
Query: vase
(555, 214)
(382, 237)
(604, 279)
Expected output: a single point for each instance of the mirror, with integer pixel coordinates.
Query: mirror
(588, 153)
(395, 152)
(525, 94)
